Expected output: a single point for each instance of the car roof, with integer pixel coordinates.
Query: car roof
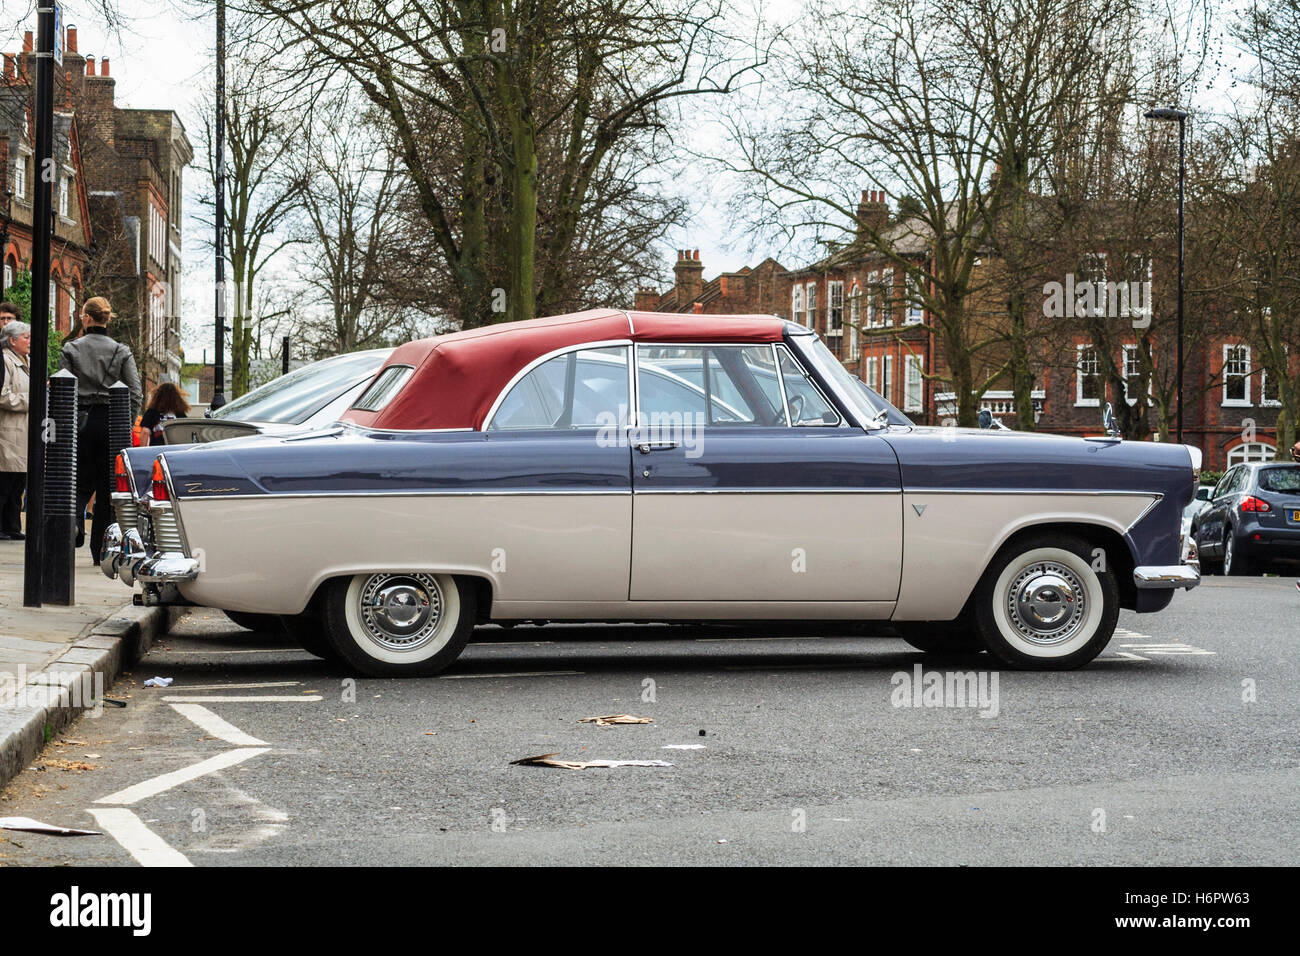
(458, 376)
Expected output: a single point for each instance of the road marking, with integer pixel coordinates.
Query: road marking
(1170, 648)
(217, 727)
(276, 683)
(145, 846)
(514, 674)
(1123, 656)
(157, 785)
(202, 699)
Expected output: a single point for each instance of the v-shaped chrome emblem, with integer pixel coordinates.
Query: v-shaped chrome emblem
(919, 509)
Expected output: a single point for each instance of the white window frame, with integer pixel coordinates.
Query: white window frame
(1133, 311)
(915, 313)
(1099, 302)
(913, 380)
(872, 367)
(1079, 400)
(1264, 400)
(796, 303)
(9, 276)
(1244, 375)
(886, 384)
(20, 176)
(834, 305)
(810, 301)
(65, 194)
(1249, 451)
(873, 289)
(887, 297)
(1132, 350)
(855, 319)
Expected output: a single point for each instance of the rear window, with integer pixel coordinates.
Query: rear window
(1280, 479)
(292, 399)
(383, 388)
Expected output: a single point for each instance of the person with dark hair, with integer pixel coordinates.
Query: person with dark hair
(168, 402)
(15, 345)
(97, 361)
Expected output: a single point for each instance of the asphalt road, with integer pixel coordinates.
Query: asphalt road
(1151, 755)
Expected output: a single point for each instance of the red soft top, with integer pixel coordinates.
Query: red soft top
(458, 376)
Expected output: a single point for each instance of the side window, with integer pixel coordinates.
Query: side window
(382, 389)
(807, 406)
(581, 389)
(1225, 483)
(715, 385)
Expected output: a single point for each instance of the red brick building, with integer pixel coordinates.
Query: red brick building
(750, 291)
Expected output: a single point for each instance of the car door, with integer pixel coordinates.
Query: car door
(556, 439)
(1210, 525)
(732, 502)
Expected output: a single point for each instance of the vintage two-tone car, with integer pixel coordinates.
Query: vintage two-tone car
(628, 466)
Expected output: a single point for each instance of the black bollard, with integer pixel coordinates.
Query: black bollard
(119, 424)
(58, 581)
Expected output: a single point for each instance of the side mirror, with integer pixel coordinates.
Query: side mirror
(986, 418)
(1108, 422)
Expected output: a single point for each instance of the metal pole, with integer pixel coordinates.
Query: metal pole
(284, 357)
(219, 158)
(41, 210)
(1182, 176)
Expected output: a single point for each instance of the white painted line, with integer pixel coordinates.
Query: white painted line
(217, 727)
(158, 785)
(515, 674)
(1123, 656)
(202, 699)
(147, 847)
(275, 683)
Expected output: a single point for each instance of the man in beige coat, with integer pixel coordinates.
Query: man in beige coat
(15, 345)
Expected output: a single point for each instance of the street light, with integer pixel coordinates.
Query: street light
(1170, 114)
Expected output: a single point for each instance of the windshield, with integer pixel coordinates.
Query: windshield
(1280, 479)
(292, 399)
(865, 403)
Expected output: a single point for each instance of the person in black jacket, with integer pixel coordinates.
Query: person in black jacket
(98, 361)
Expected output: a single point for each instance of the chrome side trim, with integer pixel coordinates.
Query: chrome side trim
(769, 491)
(1145, 511)
(172, 505)
(1155, 577)
(580, 492)
(1030, 491)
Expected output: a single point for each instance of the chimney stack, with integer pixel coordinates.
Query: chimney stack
(645, 299)
(90, 65)
(103, 67)
(688, 276)
(70, 43)
(873, 212)
(28, 46)
(9, 68)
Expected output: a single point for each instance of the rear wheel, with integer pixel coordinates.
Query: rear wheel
(1234, 562)
(399, 624)
(1042, 605)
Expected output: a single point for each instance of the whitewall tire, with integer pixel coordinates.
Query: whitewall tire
(399, 624)
(1042, 605)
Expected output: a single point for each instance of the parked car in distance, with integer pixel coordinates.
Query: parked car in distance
(580, 468)
(1252, 521)
(306, 398)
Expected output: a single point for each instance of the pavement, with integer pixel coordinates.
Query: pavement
(56, 662)
(787, 745)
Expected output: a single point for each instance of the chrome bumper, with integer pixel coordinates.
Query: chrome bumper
(1156, 577)
(124, 556)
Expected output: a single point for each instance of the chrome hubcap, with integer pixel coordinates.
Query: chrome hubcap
(1046, 603)
(401, 612)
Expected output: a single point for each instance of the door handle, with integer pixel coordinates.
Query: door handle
(646, 447)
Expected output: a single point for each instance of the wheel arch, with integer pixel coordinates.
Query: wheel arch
(1115, 550)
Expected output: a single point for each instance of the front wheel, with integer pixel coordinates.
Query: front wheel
(1043, 605)
(1234, 562)
(399, 624)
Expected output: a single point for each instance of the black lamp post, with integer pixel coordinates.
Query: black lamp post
(1169, 114)
(219, 158)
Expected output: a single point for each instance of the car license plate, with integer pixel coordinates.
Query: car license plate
(1295, 515)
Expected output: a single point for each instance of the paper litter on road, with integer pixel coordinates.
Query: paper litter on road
(36, 826)
(616, 719)
(159, 682)
(549, 760)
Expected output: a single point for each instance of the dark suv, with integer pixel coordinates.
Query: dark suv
(1252, 521)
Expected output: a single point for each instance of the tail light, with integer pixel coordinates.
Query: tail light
(1251, 503)
(122, 481)
(159, 481)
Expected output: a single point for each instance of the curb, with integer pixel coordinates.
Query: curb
(70, 685)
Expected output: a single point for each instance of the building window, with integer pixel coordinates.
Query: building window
(796, 304)
(834, 306)
(915, 305)
(855, 320)
(912, 396)
(1137, 273)
(20, 177)
(63, 197)
(811, 299)
(1236, 375)
(1268, 390)
(873, 295)
(887, 297)
(1251, 451)
(1091, 286)
(873, 372)
(1133, 374)
(1087, 377)
(9, 276)
(54, 300)
(887, 383)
